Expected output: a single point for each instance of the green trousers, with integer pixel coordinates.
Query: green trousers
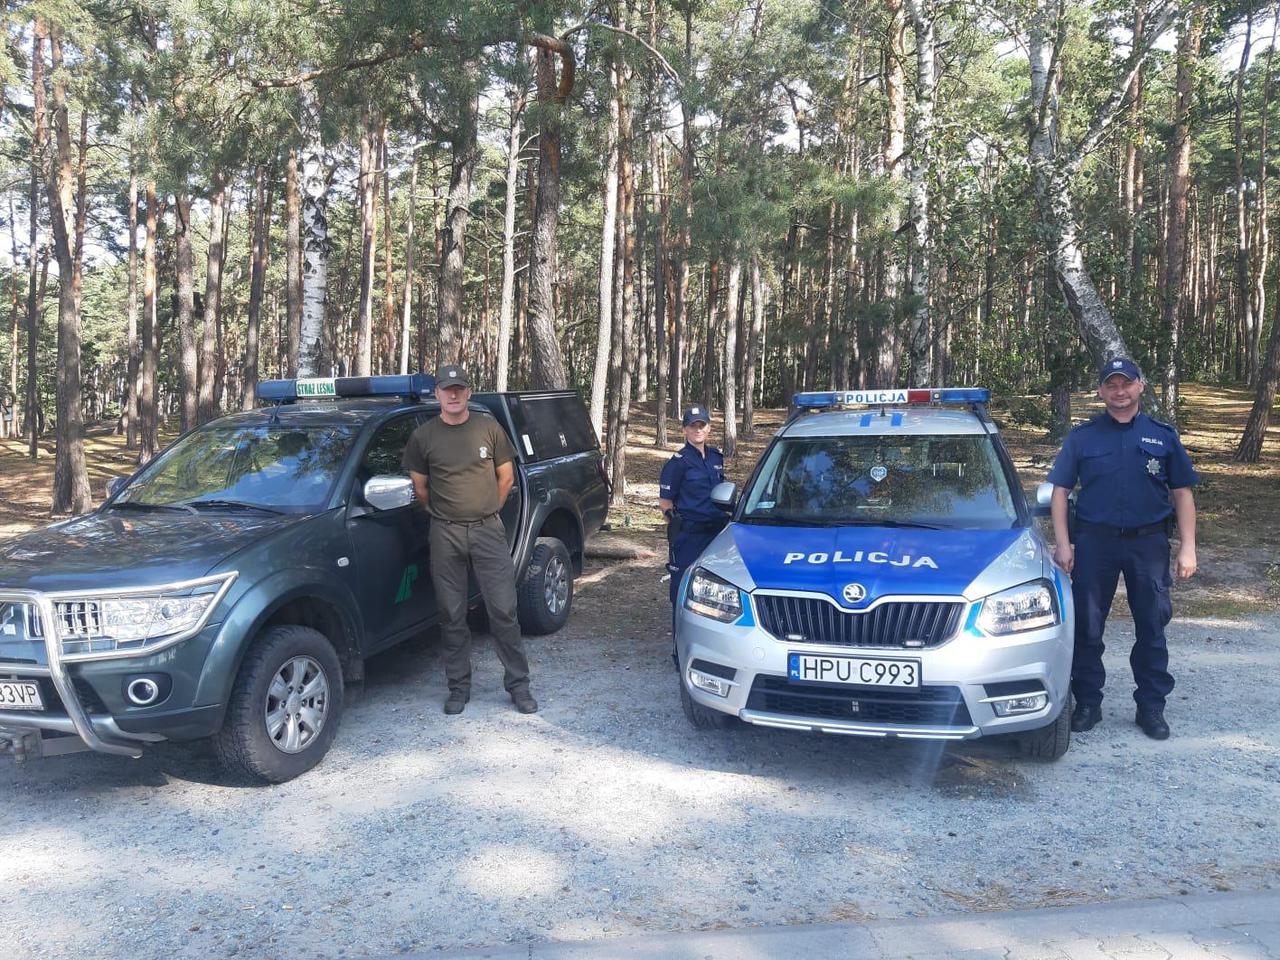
(481, 547)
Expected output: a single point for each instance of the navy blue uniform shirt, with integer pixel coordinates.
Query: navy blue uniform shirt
(1125, 470)
(687, 480)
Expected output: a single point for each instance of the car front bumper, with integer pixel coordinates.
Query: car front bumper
(84, 704)
(962, 679)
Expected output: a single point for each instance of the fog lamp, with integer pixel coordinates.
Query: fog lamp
(710, 684)
(1014, 706)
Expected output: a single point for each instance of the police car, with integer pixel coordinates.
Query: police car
(881, 576)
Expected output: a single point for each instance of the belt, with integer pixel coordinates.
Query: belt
(464, 523)
(1161, 526)
(702, 526)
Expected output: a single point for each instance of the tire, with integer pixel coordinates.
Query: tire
(1051, 742)
(546, 593)
(700, 717)
(250, 744)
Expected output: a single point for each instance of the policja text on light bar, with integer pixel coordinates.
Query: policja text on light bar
(817, 400)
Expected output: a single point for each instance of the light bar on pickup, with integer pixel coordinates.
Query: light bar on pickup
(395, 385)
(829, 399)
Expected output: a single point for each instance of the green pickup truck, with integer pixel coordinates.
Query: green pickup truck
(232, 586)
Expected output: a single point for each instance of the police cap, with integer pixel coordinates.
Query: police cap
(696, 415)
(1121, 365)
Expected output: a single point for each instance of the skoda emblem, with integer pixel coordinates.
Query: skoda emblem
(1153, 466)
(879, 472)
(853, 592)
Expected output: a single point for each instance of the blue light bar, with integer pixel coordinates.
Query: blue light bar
(828, 399)
(334, 388)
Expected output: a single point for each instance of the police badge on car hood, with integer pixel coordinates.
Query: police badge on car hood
(884, 561)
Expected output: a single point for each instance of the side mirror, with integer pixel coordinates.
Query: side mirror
(115, 484)
(388, 492)
(724, 494)
(1044, 497)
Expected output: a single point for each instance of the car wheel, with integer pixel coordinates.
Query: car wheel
(285, 706)
(1050, 742)
(546, 594)
(700, 717)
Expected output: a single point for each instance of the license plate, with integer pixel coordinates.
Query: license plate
(20, 695)
(854, 671)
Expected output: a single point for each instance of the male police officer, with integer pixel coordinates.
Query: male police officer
(1134, 477)
(462, 469)
(684, 497)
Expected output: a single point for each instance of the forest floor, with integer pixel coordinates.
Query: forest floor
(1239, 504)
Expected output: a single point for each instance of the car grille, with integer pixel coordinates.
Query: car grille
(79, 619)
(922, 706)
(814, 620)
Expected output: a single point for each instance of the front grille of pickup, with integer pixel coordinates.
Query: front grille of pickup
(922, 706)
(814, 620)
(79, 618)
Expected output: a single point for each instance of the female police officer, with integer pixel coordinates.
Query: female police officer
(1135, 480)
(684, 496)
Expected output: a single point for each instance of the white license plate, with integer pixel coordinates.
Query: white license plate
(20, 695)
(854, 671)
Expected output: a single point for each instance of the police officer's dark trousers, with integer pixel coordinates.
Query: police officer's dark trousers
(686, 539)
(482, 546)
(1102, 555)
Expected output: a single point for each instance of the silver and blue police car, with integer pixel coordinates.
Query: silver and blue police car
(882, 576)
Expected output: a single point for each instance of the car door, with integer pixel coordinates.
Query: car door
(390, 546)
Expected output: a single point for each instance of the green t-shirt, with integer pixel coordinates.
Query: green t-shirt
(460, 462)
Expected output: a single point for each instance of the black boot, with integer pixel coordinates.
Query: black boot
(1152, 722)
(1086, 716)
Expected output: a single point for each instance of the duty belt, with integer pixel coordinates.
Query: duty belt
(1161, 526)
(702, 526)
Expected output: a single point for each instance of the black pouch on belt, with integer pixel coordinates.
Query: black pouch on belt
(674, 526)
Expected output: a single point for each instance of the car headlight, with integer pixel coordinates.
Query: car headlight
(1026, 607)
(713, 597)
(135, 622)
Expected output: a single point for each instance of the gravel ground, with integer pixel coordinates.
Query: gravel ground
(605, 814)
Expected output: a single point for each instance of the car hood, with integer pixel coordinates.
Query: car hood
(114, 549)
(883, 561)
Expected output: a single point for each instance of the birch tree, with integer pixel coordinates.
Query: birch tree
(1054, 165)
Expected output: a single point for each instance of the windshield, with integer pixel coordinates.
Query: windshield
(907, 480)
(267, 467)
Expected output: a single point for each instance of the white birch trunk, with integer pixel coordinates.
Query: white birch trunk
(407, 292)
(922, 14)
(608, 240)
(506, 300)
(315, 238)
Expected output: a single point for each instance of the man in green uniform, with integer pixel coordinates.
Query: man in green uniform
(462, 467)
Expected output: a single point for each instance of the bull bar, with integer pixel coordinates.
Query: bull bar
(99, 733)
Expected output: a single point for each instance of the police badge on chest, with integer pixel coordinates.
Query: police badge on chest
(1153, 466)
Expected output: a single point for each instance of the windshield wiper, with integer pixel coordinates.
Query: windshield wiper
(141, 505)
(232, 505)
(887, 522)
